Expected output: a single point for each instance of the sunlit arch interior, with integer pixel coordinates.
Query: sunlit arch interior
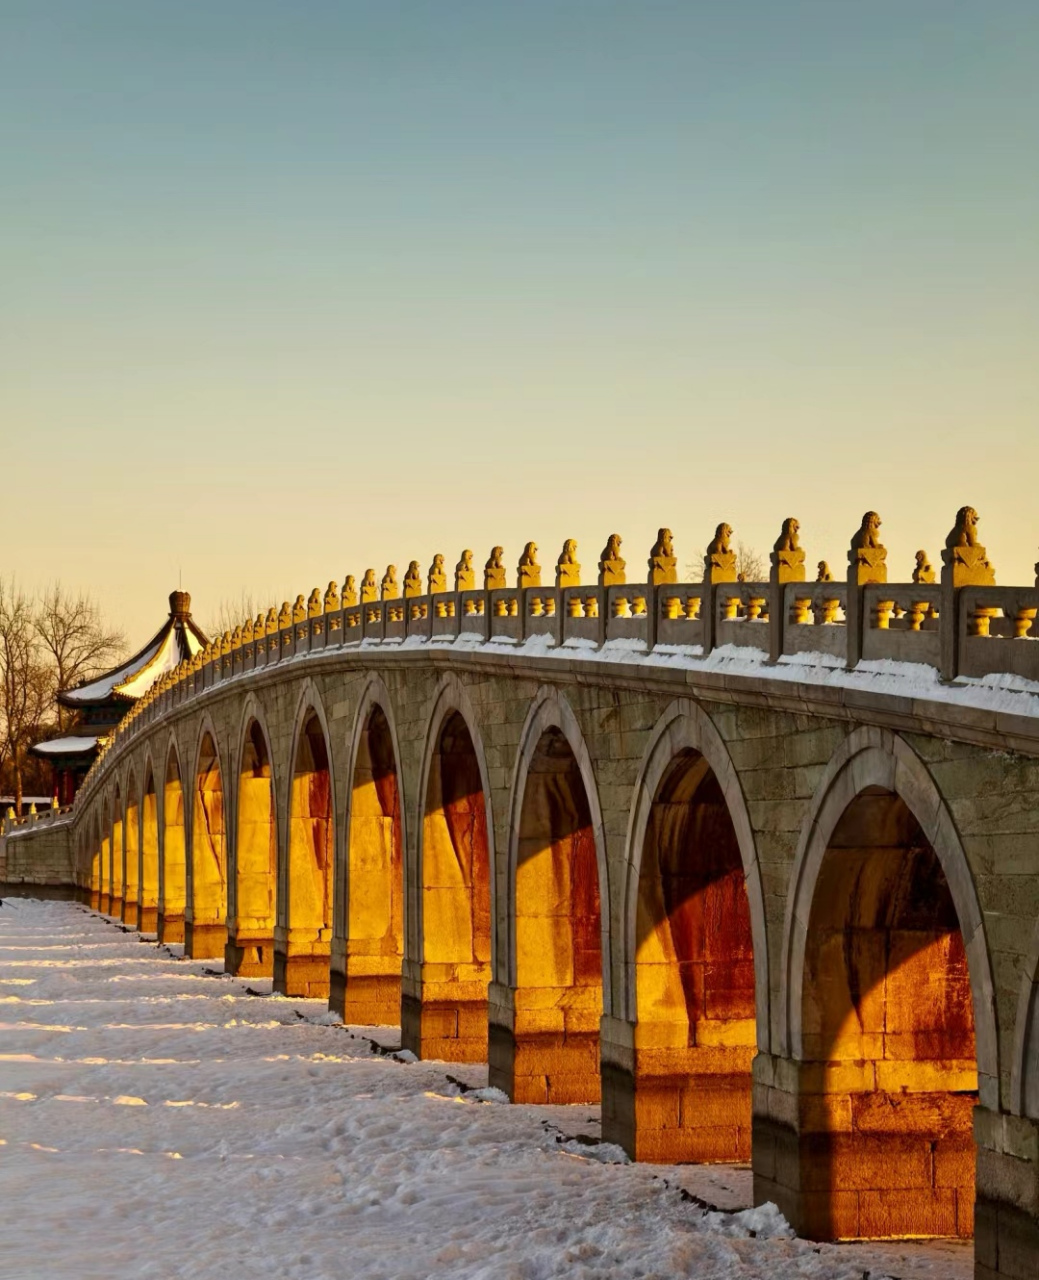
(148, 892)
(558, 995)
(255, 858)
(131, 864)
(106, 857)
(456, 901)
(304, 969)
(206, 930)
(173, 877)
(890, 1079)
(96, 867)
(375, 880)
(115, 904)
(694, 977)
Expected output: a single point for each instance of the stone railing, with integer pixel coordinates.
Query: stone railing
(964, 626)
(53, 815)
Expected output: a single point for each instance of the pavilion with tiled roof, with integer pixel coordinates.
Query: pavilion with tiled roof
(103, 701)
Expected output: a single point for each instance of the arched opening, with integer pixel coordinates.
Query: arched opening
(115, 903)
(889, 1075)
(303, 968)
(450, 1021)
(375, 882)
(132, 841)
(173, 870)
(148, 893)
(96, 867)
(558, 995)
(205, 933)
(106, 860)
(251, 947)
(694, 1039)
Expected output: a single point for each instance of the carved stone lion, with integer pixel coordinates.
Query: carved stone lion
(413, 580)
(568, 569)
(494, 570)
(664, 545)
(662, 563)
(964, 532)
(612, 550)
(719, 544)
(611, 563)
(788, 539)
(868, 536)
(437, 575)
(923, 572)
(720, 560)
(528, 570)
(965, 555)
(823, 574)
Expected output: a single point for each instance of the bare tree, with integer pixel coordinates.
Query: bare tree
(232, 613)
(751, 566)
(74, 638)
(27, 684)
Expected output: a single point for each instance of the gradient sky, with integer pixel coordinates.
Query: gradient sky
(293, 289)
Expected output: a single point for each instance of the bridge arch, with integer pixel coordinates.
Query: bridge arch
(694, 966)
(148, 887)
(253, 852)
(132, 846)
(1024, 1070)
(96, 858)
(444, 1013)
(117, 865)
(371, 902)
(205, 929)
(105, 869)
(302, 940)
(172, 848)
(888, 1001)
(557, 928)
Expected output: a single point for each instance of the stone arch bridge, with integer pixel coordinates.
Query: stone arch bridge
(755, 864)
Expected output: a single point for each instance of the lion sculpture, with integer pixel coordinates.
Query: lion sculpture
(662, 560)
(494, 571)
(437, 578)
(868, 536)
(413, 580)
(611, 563)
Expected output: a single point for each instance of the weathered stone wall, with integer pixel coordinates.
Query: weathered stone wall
(37, 855)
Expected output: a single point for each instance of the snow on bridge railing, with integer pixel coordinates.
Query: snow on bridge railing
(52, 814)
(965, 626)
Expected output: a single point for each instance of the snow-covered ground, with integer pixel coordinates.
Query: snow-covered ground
(160, 1120)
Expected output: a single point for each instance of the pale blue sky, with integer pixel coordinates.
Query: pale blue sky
(292, 289)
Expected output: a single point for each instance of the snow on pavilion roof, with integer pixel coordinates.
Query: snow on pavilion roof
(178, 638)
(74, 745)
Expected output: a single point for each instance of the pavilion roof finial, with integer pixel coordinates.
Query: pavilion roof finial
(180, 605)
